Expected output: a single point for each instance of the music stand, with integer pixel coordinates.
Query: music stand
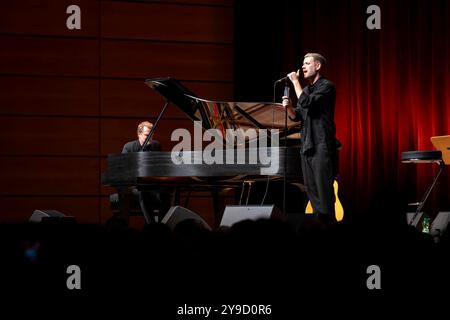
(441, 156)
(424, 157)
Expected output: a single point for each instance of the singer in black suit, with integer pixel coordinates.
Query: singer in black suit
(149, 200)
(315, 110)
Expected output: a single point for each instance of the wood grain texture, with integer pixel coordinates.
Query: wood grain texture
(167, 22)
(70, 97)
(56, 176)
(136, 59)
(45, 136)
(184, 2)
(47, 17)
(49, 96)
(49, 56)
(125, 98)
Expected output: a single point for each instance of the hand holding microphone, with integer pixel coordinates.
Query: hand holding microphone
(293, 76)
(290, 110)
(286, 100)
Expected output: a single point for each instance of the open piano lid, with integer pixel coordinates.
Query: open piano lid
(223, 115)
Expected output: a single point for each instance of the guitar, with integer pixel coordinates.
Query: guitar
(338, 209)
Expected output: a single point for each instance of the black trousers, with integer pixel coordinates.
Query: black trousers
(149, 202)
(319, 170)
(154, 203)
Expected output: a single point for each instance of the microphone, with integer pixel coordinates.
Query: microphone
(275, 85)
(286, 91)
(282, 79)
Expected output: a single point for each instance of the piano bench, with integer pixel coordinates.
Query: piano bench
(135, 207)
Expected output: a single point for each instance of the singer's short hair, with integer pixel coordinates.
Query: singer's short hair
(142, 125)
(317, 57)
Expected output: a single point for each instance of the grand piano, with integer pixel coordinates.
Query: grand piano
(269, 155)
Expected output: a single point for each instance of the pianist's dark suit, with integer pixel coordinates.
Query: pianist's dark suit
(149, 200)
(135, 146)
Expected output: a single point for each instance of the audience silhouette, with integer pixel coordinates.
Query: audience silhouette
(255, 261)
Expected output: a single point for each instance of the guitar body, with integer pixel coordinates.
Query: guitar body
(338, 209)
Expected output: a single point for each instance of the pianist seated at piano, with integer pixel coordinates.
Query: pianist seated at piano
(149, 200)
(143, 130)
(269, 174)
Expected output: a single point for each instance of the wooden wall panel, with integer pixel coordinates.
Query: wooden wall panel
(49, 136)
(167, 22)
(136, 59)
(56, 176)
(19, 209)
(48, 56)
(47, 17)
(132, 98)
(116, 132)
(212, 91)
(68, 98)
(49, 96)
(184, 2)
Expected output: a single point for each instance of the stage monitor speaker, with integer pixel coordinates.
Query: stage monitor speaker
(410, 215)
(440, 223)
(233, 214)
(178, 214)
(49, 215)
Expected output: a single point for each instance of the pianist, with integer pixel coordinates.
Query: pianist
(149, 200)
(143, 130)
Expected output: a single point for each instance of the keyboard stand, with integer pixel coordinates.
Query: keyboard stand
(424, 157)
(441, 156)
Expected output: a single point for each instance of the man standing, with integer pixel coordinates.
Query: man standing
(315, 109)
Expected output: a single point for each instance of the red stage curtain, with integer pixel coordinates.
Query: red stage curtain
(393, 89)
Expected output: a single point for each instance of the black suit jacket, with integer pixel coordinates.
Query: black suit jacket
(135, 146)
(315, 108)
